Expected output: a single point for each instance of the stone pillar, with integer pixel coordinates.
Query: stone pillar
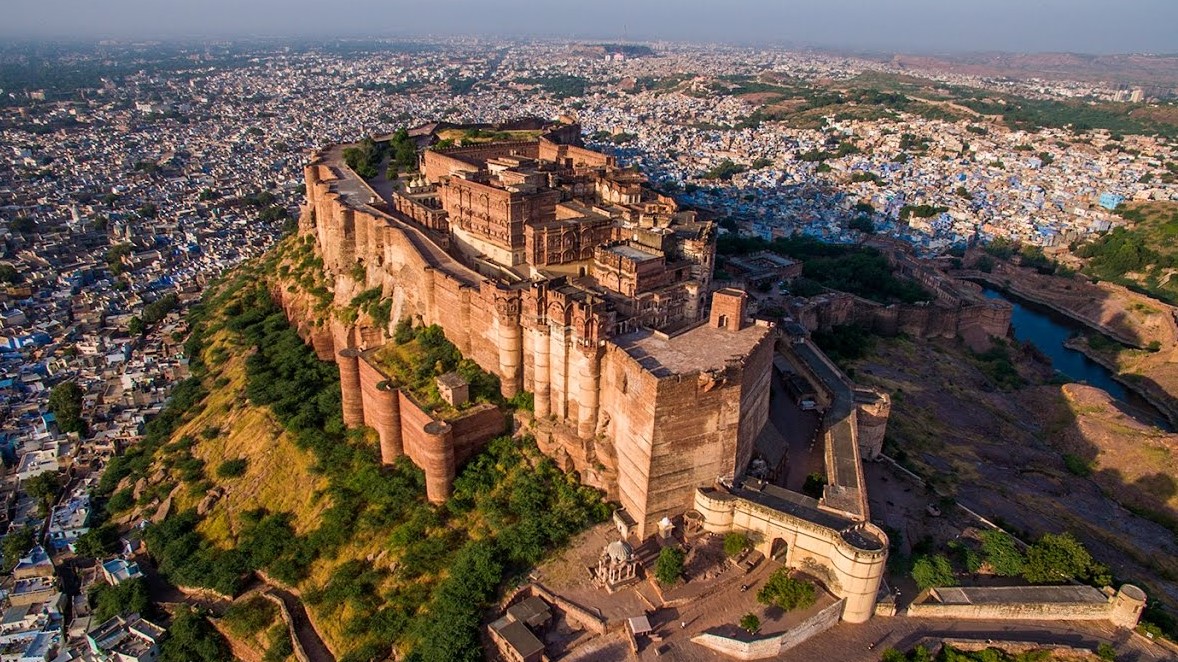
(463, 330)
(588, 383)
(388, 423)
(350, 394)
(510, 345)
(437, 457)
(558, 370)
(430, 304)
(540, 377)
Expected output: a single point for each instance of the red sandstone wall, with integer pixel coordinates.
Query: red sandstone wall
(628, 395)
(475, 429)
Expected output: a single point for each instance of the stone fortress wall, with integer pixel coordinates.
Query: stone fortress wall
(541, 337)
(958, 308)
(1121, 607)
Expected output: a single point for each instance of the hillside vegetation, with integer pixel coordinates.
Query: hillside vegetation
(1143, 256)
(308, 502)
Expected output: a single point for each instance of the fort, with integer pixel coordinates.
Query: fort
(572, 281)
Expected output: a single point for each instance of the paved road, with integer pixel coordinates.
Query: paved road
(799, 429)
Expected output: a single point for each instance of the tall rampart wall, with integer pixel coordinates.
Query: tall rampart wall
(934, 320)
(849, 571)
(1122, 608)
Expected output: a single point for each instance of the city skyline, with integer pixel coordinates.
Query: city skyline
(919, 26)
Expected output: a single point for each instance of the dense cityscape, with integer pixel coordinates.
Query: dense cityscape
(125, 197)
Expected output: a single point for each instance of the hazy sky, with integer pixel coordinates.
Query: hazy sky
(1091, 26)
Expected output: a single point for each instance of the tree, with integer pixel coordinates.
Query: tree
(735, 543)
(786, 592)
(65, 401)
(16, 544)
(1057, 558)
(669, 565)
(815, 482)
(930, 571)
(43, 489)
(97, 542)
(9, 274)
(1002, 553)
(136, 327)
(862, 224)
(22, 225)
(120, 501)
(750, 623)
(192, 639)
(129, 597)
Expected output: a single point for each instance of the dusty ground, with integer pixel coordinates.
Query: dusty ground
(710, 602)
(1000, 453)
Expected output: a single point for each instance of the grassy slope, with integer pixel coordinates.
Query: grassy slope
(402, 572)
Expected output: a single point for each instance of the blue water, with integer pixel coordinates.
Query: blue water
(1048, 333)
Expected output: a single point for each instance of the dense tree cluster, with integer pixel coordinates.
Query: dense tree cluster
(365, 157)
(65, 401)
(862, 271)
(786, 592)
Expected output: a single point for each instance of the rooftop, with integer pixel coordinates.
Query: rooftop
(698, 349)
(970, 595)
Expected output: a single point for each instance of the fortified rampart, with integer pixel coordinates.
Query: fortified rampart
(1041, 603)
(406, 428)
(848, 556)
(936, 319)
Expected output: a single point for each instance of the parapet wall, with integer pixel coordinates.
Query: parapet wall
(1122, 608)
(851, 572)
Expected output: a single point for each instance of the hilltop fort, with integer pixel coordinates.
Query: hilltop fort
(570, 279)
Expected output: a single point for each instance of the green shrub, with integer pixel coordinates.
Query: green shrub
(1002, 553)
(1076, 465)
(280, 646)
(232, 468)
(121, 500)
(669, 565)
(931, 571)
(786, 592)
(735, 543)
(245, 618)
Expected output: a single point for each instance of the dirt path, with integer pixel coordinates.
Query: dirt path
(308, 637)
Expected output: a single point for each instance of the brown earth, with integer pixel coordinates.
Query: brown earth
(1134, 462)
(1000, 453)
